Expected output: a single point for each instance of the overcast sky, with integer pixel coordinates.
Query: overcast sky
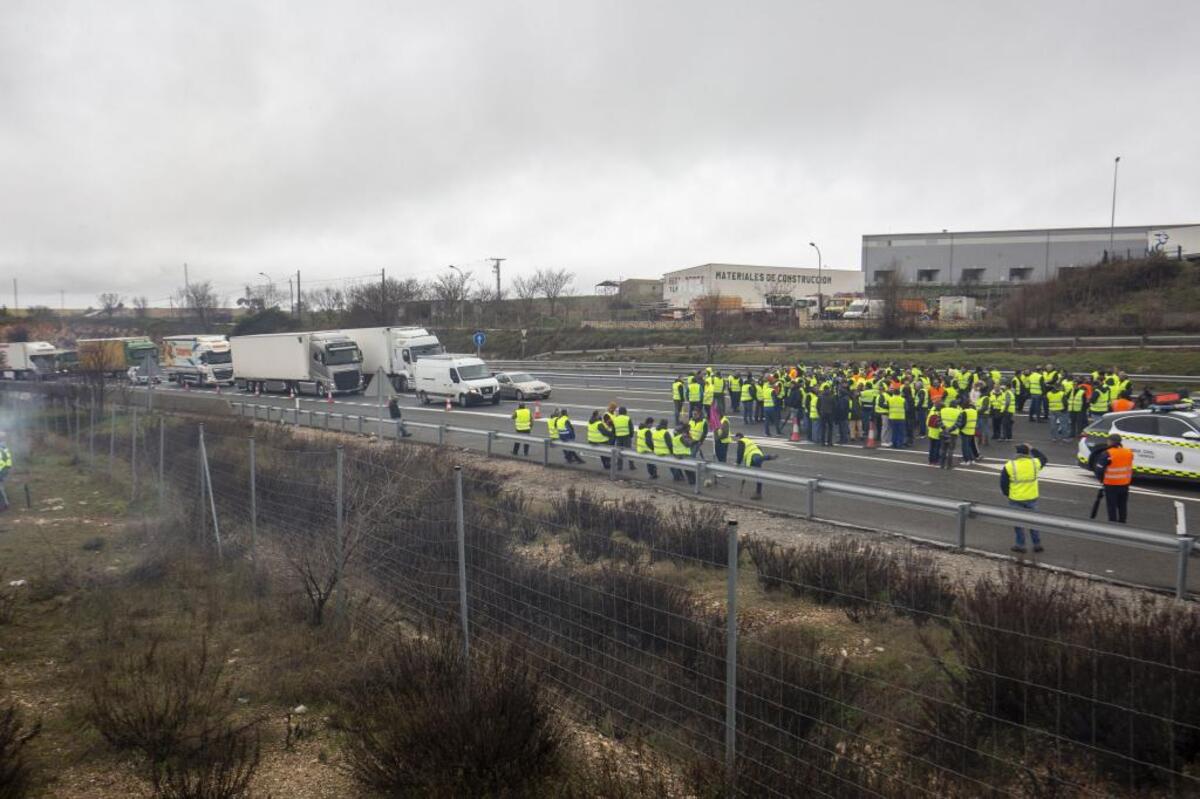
(614, 138)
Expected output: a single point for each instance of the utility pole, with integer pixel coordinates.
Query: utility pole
(383, 297)
(299, 300)
(186, 284)
(496, 269)
(1112, 221)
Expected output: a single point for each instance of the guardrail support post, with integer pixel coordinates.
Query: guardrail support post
(1181, 575)
(964, 513)
(731, 648)
(699, 478)
(360, 424)
(491, 436)
(253, 507)
(441, 434)
(810, 498)
(612, 463)
(545, 452)
(462, 563)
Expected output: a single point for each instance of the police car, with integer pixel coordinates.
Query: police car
(1165, 438)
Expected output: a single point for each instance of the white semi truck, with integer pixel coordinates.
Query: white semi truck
(463, 379)
(197, 360)
(319, 362)
(395, 350)
(29, 360)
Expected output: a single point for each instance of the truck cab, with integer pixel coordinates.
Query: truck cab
(200, 360)
(410, 344)
(463, 379)
(335, 362)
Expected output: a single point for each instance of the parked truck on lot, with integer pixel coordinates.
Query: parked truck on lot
(115, 356)
(197, 360)
(950, 308)
(395, 350)
(864, 309)
(317, 362)
(463, 379)
(29, 360)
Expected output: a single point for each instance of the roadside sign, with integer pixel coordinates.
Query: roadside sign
(480, 338)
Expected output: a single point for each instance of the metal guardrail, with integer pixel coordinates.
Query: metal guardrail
(962, 510)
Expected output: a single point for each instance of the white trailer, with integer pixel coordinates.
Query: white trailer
(950, 308)
(28, 360)
(305, 363)
(395, 350)
(197, 360)
(463, 379)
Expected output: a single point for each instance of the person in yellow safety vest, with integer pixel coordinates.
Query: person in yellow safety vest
(996, 405)
(1101, 401)
(813, 421)
(866, 407)
(748, 391)
(523, 423)
(1077, 409)
(566, 432)
(710, 390)
(643, 444)
(881, 412)
(697, 431)
(735, 392)
(1036, 396)
(600, 434)
(970, 417)
(766, 395)
(951, 423)
(1019, 482)
(6, 464)
(622, 430)
(721, 438)
(678, 396)
(661, 441)
(1056, 403)
(681, 448)
(897, 413)
(695, 393)
(718, 384)
(749, 454)
(933, 424)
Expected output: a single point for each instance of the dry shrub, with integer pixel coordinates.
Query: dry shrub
(418, 725)
(218, 765)
(15, 735)
(1034, 651)
(864, 579)
(592, 546)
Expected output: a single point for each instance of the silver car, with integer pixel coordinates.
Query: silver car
(521, 386)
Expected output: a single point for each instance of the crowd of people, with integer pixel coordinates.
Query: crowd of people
(956, 410)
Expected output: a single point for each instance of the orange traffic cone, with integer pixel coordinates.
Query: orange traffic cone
(872, 442)
(537, 409)
(796, 435)
(329, 395)
(447, 403)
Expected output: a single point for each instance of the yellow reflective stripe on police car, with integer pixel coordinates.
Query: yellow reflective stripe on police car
(1154, 470)
(1164, 440)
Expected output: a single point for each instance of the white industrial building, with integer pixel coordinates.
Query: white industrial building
(756, 286)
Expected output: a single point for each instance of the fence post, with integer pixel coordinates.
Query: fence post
(112, 440)
(462, 563)
(964, 513)
(731, 651)
(253, 508)
(1185, 552)
(340, 531)
(133, 456)
(78, 433)
(92, 431)
(212, 500)
(162, 442)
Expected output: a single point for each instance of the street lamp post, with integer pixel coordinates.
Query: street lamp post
(462, 288)
(820, 285)
(270, 287)
(1112, 221)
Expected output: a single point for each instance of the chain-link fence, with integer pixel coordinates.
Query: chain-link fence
(853, 668)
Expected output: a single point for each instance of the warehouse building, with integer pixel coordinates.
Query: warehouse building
(756, 286)
(999, 256)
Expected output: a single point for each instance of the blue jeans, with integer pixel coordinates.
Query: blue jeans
(1035, 405)
(898, 439)
(748, 412)
(1020, 531)
(771, 417)
(1059, 426)
(843, 426)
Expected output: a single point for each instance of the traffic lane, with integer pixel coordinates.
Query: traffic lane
(1109, 561)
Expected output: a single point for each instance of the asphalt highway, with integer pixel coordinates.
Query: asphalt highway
(1065, 488)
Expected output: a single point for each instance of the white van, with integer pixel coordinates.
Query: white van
(464, 379)
(864, 309)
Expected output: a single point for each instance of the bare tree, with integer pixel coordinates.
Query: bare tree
(452, 289)
(202, 300)
(526, 289)
(717, 324)
(261, 296)
(326, 304)
(110, 302)
(141, 304)
(373, 302)
(553, 284)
